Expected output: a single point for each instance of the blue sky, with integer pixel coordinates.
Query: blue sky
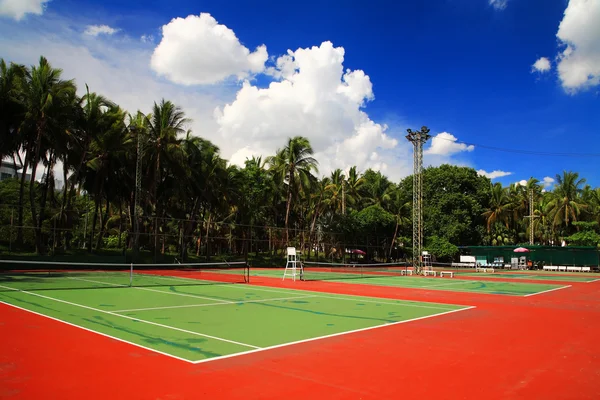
(464, 68)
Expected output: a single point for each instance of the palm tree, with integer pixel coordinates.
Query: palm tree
(376, 189)
(166, 122)
(336, 190)
(400, 207)
(591, 197)
(293, 165)
(566, 204)
(46, 98)
(354, 183)
(499, 207)
(11, 106)
(90, 125)
(107, 153)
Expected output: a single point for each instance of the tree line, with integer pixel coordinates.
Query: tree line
(192, 202)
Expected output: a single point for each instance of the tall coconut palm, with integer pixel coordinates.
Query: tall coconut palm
(400, 207)
(499, 209)
(591, 197)
(354, 183)
(107, 153)
(336, 190)
(45, 96)
(293, 165)
(166, 122)
(566, 204)
(11, 105)
(376, 189)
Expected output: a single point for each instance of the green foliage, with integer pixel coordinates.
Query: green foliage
(454, 199)
(440, 248)
(587, 236)
(192, 203)
(374, 220)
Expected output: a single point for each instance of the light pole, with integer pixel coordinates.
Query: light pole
(138, 183)
(418, 139)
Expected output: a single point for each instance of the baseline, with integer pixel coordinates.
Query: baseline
(546, 291)
(332, 335)
(133, 319)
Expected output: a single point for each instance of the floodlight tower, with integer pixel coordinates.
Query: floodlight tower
(418, 139)
(531, 216)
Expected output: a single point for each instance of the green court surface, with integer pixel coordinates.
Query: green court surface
(539, 277)
(197, 321)
(418, 282)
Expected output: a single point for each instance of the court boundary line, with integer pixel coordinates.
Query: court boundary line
(433, 287)
(133, 318)
(536, 277)
(330, 336)
(212, 304)
(231, 355)
(546, 291)
(97, 332)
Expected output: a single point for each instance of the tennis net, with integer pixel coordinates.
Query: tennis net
(45, 275)
(316, 271)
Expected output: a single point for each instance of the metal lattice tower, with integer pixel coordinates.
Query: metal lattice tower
(418, 139)
(531, 217)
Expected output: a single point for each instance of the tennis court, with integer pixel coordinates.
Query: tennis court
(199, 313)
(533, 276)
(392, 275)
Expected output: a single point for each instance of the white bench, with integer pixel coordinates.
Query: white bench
(442, 273)
(586, 269)
(429, 272)
(484, 269)
(406, 272)
(550, 268)
(561, 268)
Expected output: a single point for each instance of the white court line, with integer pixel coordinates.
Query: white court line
(214, 304)
(546, 291)
(132, 318)
(257, 349)
(98, 333)
(595, 280)
(451, 283)
(329, 336)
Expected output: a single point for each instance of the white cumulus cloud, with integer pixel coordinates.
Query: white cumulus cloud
(579, 34)
(317, 99)
(17, 9)
(446, 144)
(95, 30)
(541, 65)
(548, 181)
(147, 38)
(498, 4)
(198, 50)
(494, 174)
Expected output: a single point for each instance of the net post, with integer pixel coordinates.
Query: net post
(131, 275)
